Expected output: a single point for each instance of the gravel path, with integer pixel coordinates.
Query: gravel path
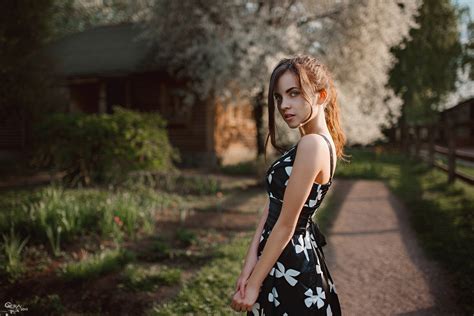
(376, 262)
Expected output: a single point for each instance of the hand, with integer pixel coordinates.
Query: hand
(245, 303)
(244, 275)
(241, 282)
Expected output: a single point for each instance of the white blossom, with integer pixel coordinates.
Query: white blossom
(228, 48)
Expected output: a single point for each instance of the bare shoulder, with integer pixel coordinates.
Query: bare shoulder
(309, 151)
(311, 143)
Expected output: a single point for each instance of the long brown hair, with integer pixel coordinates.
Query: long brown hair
(313, 76)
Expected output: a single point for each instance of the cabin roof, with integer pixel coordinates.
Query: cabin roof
(104, 50)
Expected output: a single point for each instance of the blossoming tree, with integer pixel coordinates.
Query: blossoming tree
(221, 45)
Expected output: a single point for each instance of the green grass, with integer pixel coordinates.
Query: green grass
(55, 216)
(440, 213)
(11, 263)
(366, 164)
(44, 304)
(242, 168)
(176, 182)
(443, 219)
(96, 265)
(186, 237)
(469, 171)
(149, 278)
(210, 291)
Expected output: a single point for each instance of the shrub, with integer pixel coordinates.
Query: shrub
(103, 147)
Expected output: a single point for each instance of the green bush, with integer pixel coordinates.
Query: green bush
(94, 148)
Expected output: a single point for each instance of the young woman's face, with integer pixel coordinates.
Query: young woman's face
(289, 100)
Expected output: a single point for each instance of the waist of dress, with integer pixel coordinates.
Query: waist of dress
(305, 221)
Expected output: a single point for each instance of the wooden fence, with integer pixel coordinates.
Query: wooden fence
(425, 135)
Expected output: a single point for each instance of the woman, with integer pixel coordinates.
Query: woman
(285, 271)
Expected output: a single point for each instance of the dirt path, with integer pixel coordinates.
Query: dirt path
(375, 259)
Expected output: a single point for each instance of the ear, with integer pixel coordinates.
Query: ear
(322, 96)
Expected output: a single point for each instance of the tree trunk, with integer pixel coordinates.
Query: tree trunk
(259, 103)
(403, 131)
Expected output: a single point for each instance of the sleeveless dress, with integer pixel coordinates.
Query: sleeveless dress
(299, 283)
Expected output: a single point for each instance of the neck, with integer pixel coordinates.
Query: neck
(317, 125)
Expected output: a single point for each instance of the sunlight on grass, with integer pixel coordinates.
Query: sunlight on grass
(149, 278)
(210, 291)
(56, 216)
(96, 265)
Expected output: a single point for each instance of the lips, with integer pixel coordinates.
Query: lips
(288, 116)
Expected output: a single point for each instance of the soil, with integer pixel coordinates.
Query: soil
(372, 254)
(101, 295)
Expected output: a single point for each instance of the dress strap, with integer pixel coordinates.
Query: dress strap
(330, 152)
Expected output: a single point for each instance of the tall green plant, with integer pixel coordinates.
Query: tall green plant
(13, 248)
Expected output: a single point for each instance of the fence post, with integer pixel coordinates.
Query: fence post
(431, 137)
(451, 150)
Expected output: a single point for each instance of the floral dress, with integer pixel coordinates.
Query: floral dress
(299, 283)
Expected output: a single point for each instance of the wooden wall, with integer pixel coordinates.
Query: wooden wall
(206, 134)
(235, 132)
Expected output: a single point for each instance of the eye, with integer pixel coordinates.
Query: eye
(294, 93)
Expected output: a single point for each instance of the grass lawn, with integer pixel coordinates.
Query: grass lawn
(165, 253)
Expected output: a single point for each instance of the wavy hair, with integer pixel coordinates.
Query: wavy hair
(313, 76)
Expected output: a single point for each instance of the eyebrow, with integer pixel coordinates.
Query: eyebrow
(288, 90)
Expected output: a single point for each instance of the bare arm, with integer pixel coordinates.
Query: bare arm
(251, 258)
(258, 232)
(305, 167)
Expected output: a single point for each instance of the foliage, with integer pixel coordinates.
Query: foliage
(59, 216)
(103, 147)
(13, 247)
(228, 48)
(72, 16)
(28, 86)
(465, 85)
(468, 47)
(427, 66)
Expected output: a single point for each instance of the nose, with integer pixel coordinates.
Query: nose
(284, 104)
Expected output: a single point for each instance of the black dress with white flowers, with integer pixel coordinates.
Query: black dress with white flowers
(299, 283)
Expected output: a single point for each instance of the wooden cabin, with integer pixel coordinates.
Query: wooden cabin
(110, 65)
(462, 117)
